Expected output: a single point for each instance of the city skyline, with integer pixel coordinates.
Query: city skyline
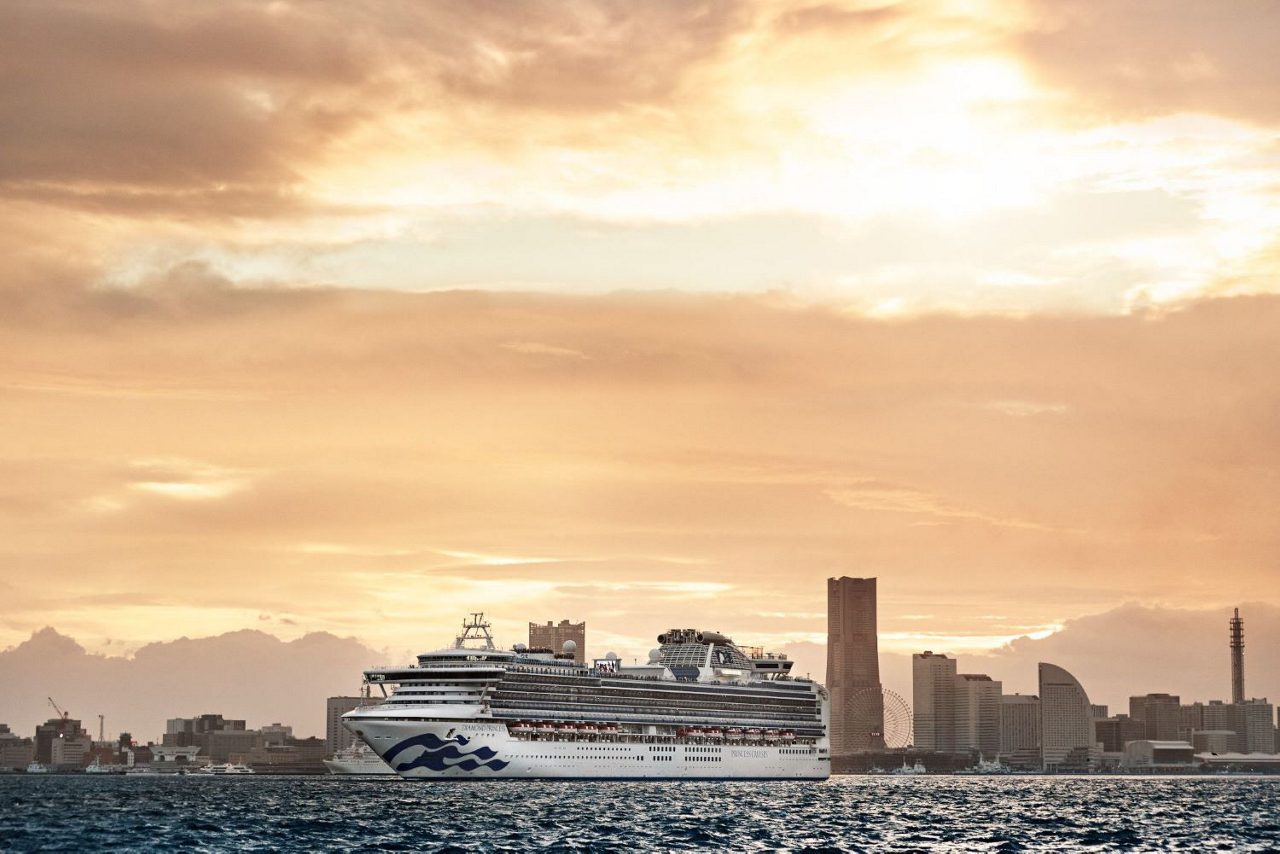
(654, 313)
(203, 673)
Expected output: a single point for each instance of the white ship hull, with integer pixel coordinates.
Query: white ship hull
(482, 749)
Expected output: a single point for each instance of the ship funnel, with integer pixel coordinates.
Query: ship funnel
(712, 637)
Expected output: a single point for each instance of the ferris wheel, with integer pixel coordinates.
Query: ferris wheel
(866, 708)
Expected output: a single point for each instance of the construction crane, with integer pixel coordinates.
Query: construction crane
(61, 714)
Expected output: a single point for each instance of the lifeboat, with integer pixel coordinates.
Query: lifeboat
(714, 732)
(522, 727)
(696, 732)
(588, 729)
(567, 728)
(682, 732)
(547, 728)
(772, 736)
(753, 733)
(787, 735)
(734, 734)
(609, 729)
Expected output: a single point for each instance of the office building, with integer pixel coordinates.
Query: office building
(978, 714)
(336, 736)
(1115, 732)
(1161, 715)
(933, 698)
(853, 666)
(1255, 732)
(1214, 741)
(1066, 725)
(552, 636)
(52, 730)
(184, 732)
(15, 751)
(1098, 711)
(1019, 724)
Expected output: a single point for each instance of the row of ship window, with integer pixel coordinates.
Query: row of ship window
(659, 698)
(735, 715)
(655, 702)
(720, 692)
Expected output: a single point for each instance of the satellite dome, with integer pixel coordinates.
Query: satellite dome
(569, 647)
(611, 656)
(654, 655)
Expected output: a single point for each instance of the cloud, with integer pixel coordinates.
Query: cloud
(1127, 59)
(288, 681)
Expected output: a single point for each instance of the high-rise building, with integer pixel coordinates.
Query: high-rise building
(1113, 733)
(1098, 711)
(978, 713)
(933, 699)
(1066, 726)
(1235, 630)
(1019, 723)
(552, 636)
(853, 666)
(336, 736)
(1161, 715)
(1255, 732)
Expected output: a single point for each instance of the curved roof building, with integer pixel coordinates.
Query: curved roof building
(1066, 723)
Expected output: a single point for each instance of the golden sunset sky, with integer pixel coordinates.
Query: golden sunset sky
(354, 317)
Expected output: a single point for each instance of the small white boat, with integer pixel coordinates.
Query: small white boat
(225, 769)
(37, 768)
(910, 771)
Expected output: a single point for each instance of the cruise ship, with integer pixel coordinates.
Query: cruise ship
(700, 708)
(357, 760)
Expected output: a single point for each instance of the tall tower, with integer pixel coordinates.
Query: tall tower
(1237, 658)
(853, 666)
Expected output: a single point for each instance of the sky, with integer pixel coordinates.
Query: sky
(354, 318)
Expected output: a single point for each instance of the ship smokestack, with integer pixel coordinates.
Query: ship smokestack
(1237, 658)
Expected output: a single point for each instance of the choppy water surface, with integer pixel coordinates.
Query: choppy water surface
(844, 814)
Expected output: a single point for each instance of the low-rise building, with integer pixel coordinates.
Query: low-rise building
(1151, 755)
(15, 751)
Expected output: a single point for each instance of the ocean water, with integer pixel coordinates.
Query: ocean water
(79, 813)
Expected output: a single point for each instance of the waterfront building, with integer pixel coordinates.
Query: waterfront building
(1148, 755)
(1255, 732)
(229, 744)
(276, 733)
(15, 751)
(184, 732)
(1161, 715)
(1019, 724)
(69, 750)
(978, 714)
(54, 729)
(853, 666)
(336, 736)
(1066, 725)
(933, 698)
(552, 636)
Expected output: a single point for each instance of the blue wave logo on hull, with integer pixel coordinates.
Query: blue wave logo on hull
(437, 753)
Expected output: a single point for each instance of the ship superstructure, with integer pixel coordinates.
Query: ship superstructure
(701, 707)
